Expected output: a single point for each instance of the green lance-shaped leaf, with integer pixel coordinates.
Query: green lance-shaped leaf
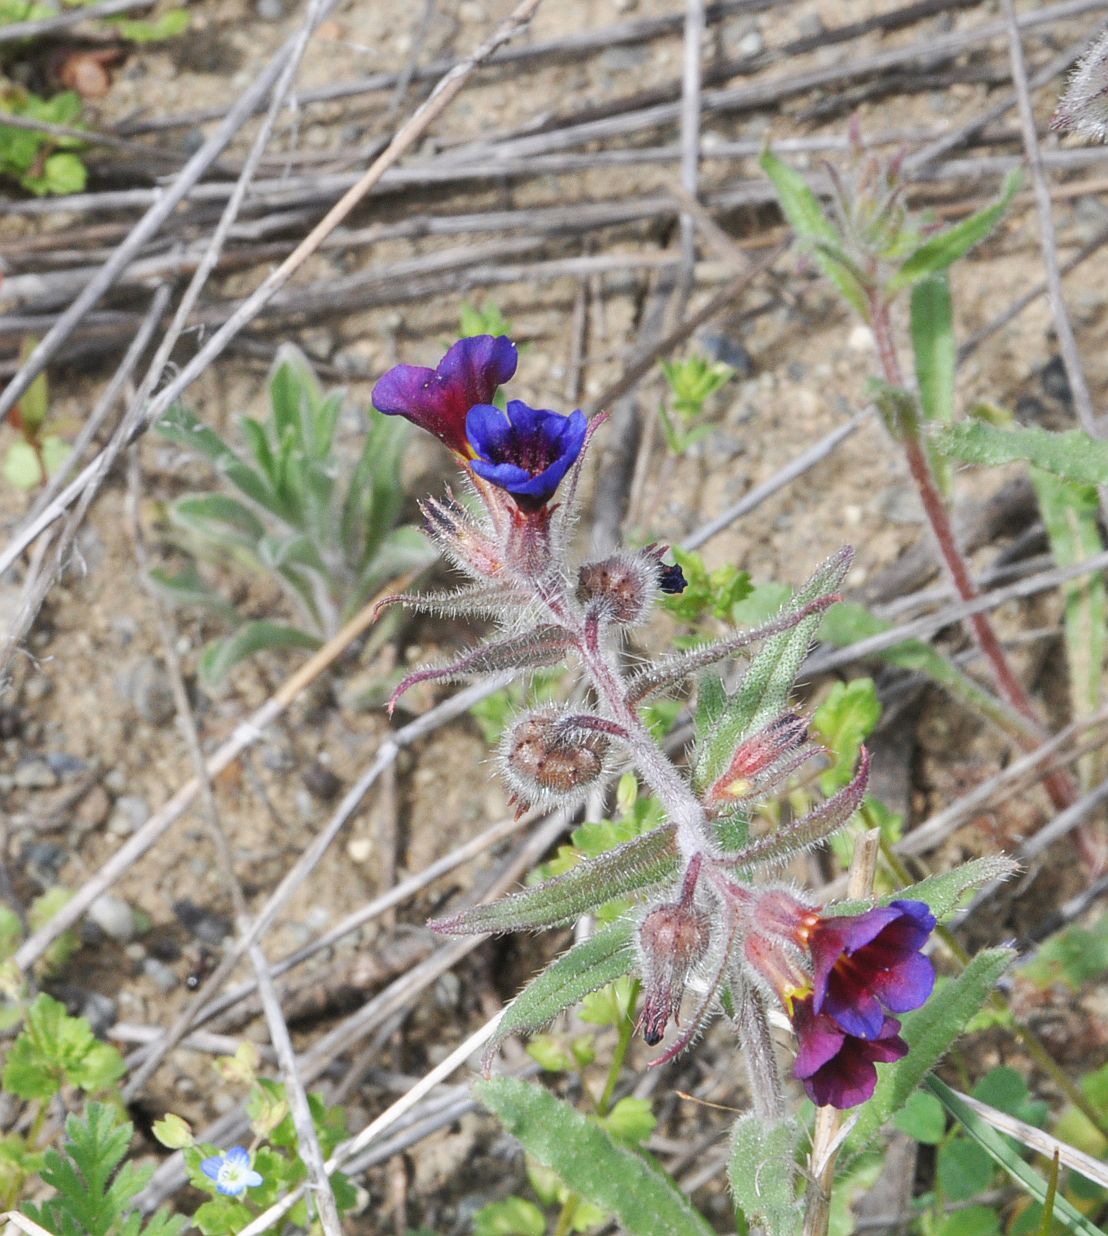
(848, 623)
(188, 587)
(1074, 456)
(764, 690)
(588, 966)
(929, 1033)
(222, 655)
(943, 893)
(943, 250)
(809, 221)
(936, 356)
(218, 518)
(641, 863)
(1070, 513)
(1002, 1153)
(644, 1200)
(763, 1177)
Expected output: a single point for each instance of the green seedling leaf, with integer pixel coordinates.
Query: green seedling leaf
(764, 691)
(64, 173)
(173, 1132)
(1071, 515)
(1001, 1152)
(549, 1053)
(809, 221)
(218, 518)
(1076, 955)
(486, 320)
(1073, 456)
(221, 656)
(588, 966)
(846, 717)
(922, 1118)
(764, 1182)
(972, 1221)
(644, 1200)
(514, 1216)
(643, 862)
(22, 469)
(929, 1033)
(965, 1169)
(188, 587)
(943, 250)
(631, 1121)
(167, 26)
(55, 451)
(55, 1049)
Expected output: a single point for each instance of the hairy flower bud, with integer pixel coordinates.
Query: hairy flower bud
(673, 938)
(623, 585)
(762, 759)
(547, 755)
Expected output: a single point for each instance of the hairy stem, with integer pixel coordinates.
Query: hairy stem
(1058, 784)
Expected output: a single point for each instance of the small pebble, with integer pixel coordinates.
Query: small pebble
(359, 849)
(34, 773)
(43, 860)
(730, 351)
(135, 952)
(128, 815)
(148, 689)
(205, 925)
(100, 1012)
(113, 916)
(752, 44)
(321, 782)
(1055, 383)
(159, 974)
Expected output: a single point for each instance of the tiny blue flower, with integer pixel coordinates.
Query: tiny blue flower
(232, 1172)
(526, 451)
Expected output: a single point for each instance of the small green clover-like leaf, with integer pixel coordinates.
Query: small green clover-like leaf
(923, 1118)
(846, 717)
(64, 173)
(965, 1169)
(167, 26)
(549, 1053)
(631, 1121)
(173, 1132)
(514, 1216)
(972, 1221)
(21, 466)
(610, 1005)
(222, 1216)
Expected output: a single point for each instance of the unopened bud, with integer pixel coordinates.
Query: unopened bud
(623, 584)
(547, 757)
(673, 938)
(759, 757)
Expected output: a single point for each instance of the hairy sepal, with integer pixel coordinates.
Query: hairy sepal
(544, 646)
(764, 690)
(588, 966)
(644, 862)
(810, 829)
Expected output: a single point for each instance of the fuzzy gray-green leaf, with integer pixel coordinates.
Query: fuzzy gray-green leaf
(642, 862)
(929, 1033)
(644, 1200)
(943, 892)
(220, 656)
(1073, 455)
(763, 1179)
(587, 966)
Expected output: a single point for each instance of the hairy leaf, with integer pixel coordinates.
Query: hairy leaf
(220, 656)
(947, 247)
(763, 1176)
(944, 892)
(641, 863)
(587, 966)
(936, 356)
(764, 691)
(645, 1201)
(929, 1033)
(809, 221)
(1073, 455)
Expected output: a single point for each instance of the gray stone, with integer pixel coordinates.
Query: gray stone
(206, 925)
(730, 351)
(34, 773)
(148, 689)
(128, 815)
(100, 1012)
(159, 974)
(113, 916)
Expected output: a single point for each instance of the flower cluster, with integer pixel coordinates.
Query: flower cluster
(705, 925)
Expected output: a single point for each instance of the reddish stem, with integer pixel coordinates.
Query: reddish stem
(1059, 786)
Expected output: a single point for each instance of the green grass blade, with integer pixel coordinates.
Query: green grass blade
(645, 1201)
(1005, 1157)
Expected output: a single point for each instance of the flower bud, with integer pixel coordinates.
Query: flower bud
(673, 938)
(623, 585)
(760, 757)
(547, 757)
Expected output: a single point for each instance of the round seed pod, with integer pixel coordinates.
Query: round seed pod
(547, 758)
(624, 585)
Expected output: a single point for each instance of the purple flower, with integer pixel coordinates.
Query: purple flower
(439, 399)
(837, 1069)
(865, 961)
(524, 450)
(232, 1172)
